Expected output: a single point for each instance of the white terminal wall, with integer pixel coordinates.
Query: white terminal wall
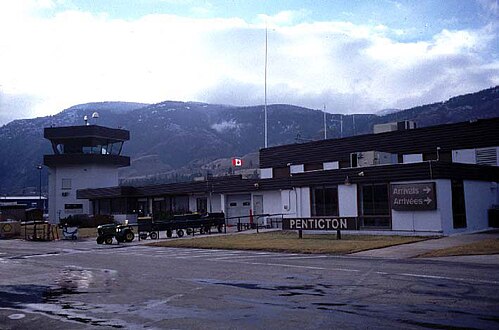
(428, 221)
(479, 198)
(347, 200)
(213, 201)
(303, 202)
(272, 203)
(82, 177)
(216, 202)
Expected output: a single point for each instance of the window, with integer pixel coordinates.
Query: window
(66, 184)
(115, 148)
(105, 206)
(458, 204)
(375, 206)
(314, 167)
(201, 205)
(158, 206)
(180, 204)
(324, 201)
(353, 160)
(143, 208)
(73, 206)
(281, 172)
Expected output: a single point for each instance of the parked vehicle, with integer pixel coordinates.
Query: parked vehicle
(122, 233)
(70, 232)
(182, 224)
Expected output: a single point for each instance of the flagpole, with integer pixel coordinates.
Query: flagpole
(265, 96)
(325, 127)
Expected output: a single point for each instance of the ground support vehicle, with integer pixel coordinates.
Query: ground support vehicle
(122, 233)
(182, 224)
(70, 233)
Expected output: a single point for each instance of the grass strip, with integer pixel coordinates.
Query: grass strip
(283, 241)
(489, 246)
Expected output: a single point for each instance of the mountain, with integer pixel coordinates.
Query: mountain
(172, 141)
(386, 112)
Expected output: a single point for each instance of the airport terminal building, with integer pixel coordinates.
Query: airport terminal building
(437, 180)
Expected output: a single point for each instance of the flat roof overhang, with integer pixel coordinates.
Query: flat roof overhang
(430, 170)
(90, 132)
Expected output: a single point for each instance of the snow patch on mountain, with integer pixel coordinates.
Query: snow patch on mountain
(225, 126)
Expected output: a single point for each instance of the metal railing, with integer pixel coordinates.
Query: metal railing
(255, 221)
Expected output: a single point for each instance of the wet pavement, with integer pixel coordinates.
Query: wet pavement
(81, 285)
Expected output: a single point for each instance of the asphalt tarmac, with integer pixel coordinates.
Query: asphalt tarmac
(81, 285)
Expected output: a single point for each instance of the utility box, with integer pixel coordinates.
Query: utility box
(395, 126)
(10, 229)
(371, 158)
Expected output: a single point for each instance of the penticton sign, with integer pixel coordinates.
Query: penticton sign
(320, 223)
(413, 197)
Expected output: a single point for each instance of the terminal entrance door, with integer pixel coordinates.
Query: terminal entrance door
(258, 209)
(238, 207)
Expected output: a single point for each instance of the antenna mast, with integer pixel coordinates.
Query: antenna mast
(265, 96)
(325, 127)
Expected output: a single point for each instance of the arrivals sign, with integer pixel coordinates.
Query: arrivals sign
(413, 197)
(329, 223)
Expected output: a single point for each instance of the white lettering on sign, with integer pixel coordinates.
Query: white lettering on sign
(316, 224)
(406, 191)
(413, 196)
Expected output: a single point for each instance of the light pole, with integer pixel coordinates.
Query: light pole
(40, 204)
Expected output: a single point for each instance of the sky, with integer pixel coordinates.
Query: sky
(349, 56)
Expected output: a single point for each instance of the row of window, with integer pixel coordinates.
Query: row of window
(111, 148)
(374, 208)
(358, 160)
(374, 204)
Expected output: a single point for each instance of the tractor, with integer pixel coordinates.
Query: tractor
(122, 233)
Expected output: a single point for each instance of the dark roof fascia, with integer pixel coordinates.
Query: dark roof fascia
(214, 185)
(81, 132)
(108, 192)
(465, 135)
(431, 170)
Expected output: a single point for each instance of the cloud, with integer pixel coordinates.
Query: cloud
(491, 7)
(51, 59)
(13, 104)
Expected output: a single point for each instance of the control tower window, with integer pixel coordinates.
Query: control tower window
(115, 148)
(66, 184)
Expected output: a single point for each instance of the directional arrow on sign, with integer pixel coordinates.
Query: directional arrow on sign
(427, 189)
(428, 200)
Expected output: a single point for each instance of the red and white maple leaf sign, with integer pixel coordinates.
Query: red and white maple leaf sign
(237, 162)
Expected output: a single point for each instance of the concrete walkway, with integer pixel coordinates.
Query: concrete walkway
(414, 249)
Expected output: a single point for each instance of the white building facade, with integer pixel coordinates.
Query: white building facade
(438, 180)
(83, 157)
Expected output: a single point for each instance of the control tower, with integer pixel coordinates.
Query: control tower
(83, 157)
